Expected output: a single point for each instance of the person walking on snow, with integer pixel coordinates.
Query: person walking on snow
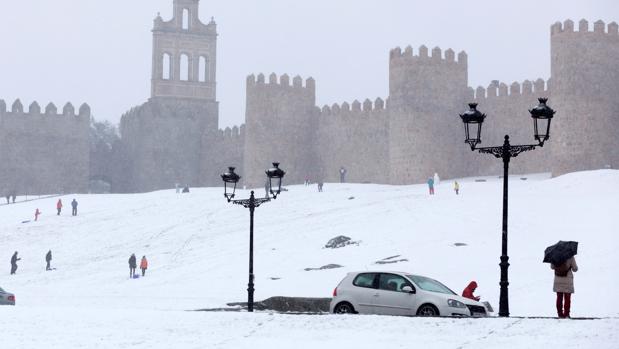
(437, 179)
(37, 213)
(59, 206)
(456, 187)
(468, 291)
(132, 265)
(48, 259)
(564, 286)
(143, 265)
(74, 207)
(431, 185)
(342, 174)
(14, 260)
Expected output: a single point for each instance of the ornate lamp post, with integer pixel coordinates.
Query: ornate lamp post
(274, 175)
(473, 120)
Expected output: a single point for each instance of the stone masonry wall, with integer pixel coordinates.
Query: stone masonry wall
(44, 152)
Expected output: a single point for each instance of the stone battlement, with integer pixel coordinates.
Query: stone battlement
(283, 81)
(231, 133)
(538, 87)
(599, 28)
(356, 106)
(34, 109)
(407, 56)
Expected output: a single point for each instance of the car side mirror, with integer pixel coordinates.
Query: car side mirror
(408, 289)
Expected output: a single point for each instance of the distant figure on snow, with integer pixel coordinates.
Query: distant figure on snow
(564, 286)
(14, 197)
(36, 214)
(307, 182)
(320, 184)
(178, 188)
(8, 199)
(48, 259)
(143, 265)
(437, 179)
(431, 185)
(468, 291)
(456, 187)
(59, 206)
(186, 189)
(74, 206)
(343, 174)
(14, 260)
(132, 265)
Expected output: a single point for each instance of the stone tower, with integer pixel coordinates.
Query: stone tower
(280, 126)
(585, 90)
(425, 93)
(165, 138)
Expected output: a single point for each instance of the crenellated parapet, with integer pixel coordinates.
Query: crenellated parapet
(398, 56)
(367, 107)
(599, 28)
(496, 89)
(283, 82)
(34, 110)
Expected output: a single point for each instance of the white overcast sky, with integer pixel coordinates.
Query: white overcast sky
(99, 51)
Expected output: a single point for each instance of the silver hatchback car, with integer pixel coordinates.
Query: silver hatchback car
(399, 293)
(6, 298)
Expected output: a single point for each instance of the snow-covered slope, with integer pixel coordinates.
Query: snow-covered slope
(197, 243)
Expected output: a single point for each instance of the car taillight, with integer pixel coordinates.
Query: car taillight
(335, 292)
(11, 298)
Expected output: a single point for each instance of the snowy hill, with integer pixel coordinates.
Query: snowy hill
(197, 243)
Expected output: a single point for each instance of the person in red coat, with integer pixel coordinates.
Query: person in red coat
(468, 291)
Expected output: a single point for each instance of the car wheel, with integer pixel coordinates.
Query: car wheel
(344, 308)
(427, 310)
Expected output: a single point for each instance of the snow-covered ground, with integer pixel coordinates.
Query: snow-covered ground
(197, 246)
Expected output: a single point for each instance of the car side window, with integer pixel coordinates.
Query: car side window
(365, 280)
(393, 282)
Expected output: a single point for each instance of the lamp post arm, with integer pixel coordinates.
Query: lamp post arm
(247, 203)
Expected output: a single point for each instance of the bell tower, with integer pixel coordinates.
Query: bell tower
(184, 55)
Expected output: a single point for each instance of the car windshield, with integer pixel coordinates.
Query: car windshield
(431, 285)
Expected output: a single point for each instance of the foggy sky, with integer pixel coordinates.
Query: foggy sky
(99, 51)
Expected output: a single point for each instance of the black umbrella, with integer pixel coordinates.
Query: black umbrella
(560, 252)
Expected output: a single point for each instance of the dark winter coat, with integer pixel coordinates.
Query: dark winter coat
(48, 256)
(132, 262)
(74, 204)
(14, 259)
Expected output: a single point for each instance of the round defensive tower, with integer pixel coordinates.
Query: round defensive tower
(585, 93)
(425, 95)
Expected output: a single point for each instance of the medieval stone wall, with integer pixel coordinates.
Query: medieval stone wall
(44, 152)
(353, 136)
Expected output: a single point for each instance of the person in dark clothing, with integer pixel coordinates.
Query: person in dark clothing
(8, 199)
(342, 174)
(132, 265)
(14, 197)
(186, 189)
(14, 260)
(48, 259)
(74, 206)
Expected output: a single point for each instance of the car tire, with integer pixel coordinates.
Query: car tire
(344, 308)
(427, 310)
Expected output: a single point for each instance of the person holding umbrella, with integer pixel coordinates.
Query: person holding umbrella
(562, 261)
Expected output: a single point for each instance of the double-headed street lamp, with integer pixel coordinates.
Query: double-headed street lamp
(473, 120)
(274, 175)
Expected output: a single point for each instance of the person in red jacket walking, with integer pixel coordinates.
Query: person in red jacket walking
(143, 265)
(59, 206)
(468, 291)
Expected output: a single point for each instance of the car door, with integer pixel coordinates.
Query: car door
(363, 292)
(390, 299)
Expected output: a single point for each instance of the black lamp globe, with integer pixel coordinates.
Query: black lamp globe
(472, 119)
(230, 179)
(542, 115)
(275, 175)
